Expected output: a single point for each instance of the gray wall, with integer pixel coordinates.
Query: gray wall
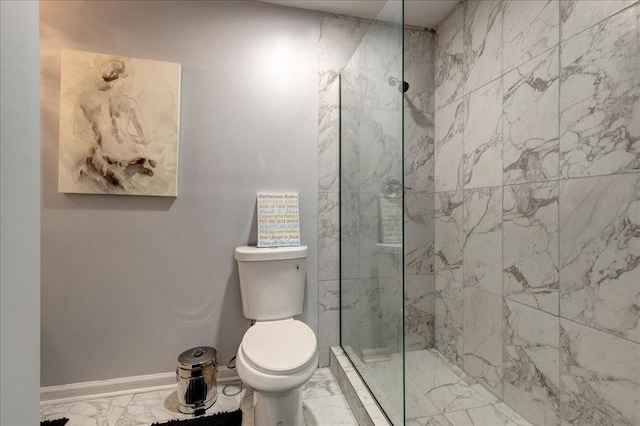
(19, 215)
(130, 282)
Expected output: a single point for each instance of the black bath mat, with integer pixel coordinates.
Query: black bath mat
(233, 418)
(56, 422)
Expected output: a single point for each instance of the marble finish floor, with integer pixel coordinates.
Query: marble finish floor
(437, 392)
(324, 404)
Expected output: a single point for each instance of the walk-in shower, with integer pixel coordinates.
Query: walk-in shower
(489, 193)
(371, 200)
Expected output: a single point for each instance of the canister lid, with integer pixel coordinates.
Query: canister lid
(198, 357)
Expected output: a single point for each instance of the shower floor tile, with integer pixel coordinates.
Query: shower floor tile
(324, 404)
(437, 393)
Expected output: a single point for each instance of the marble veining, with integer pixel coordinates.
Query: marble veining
(578, 15)
(600, 376)
(446, 390)
(328, 236)
(530, 109)
(161, 406)
(419, 151)
(328, 89)
(339, 38)
(417, 404)
(429, 421)
(530, 28)
(600, 253)
(365, 54)
(350, 119)
(380, 56)
(482, 42)
(321, 385)
(384, 379)
(494, 415)
(363, 406)
(98, 412)
(323, 403)
(332, 410)
(437, 392)
(530, 242)
(450, 72)
(449, 133)
(600, 87)
(482, 337)
(328, 318)
(419, 232)
(483, 137)
(380, 157)
(350, 312)
(419, 70)
(328, 148)
(350, 235)
(531, 363)
(482, 253)
(449, 318)
(391, 310)
(560, 240)
(449, 234)
(370, 314)
(419, 300)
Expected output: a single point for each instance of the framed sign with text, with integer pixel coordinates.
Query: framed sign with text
(278, 220)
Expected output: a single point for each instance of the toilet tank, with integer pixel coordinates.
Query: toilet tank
(271, 281)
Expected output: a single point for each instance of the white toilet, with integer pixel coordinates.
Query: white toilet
(278, 354)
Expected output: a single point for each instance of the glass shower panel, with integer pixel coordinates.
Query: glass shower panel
(371, 187)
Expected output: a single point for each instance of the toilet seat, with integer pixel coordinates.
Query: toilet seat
(279, 348)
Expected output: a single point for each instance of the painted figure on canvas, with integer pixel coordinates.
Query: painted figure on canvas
(119, 125)
(113, 124)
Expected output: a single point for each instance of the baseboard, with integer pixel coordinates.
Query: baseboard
(121, 386)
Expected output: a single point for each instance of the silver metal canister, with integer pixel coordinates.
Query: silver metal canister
(197, 379)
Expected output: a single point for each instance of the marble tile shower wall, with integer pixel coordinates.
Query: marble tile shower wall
(368, 293)
(537, 214)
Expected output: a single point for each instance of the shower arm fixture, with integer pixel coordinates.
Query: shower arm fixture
(393, 82)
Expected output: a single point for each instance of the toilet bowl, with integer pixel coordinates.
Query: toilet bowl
(278, 354)
(275, 359)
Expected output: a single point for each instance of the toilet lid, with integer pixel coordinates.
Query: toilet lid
(279, 346)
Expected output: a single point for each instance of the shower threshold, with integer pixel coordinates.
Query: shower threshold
(437, 392)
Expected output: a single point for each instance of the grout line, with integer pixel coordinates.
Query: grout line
(488, 404)
(125, 410)
(460, 185)
(624, 9)
(601, 331)
(560, 387)
(538, 182)
(529, 306)
(449, 368)
(560, 42)
(632, 172)
(558, 182)
(502, 302)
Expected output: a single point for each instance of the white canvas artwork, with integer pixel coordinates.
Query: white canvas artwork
(119, 125)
